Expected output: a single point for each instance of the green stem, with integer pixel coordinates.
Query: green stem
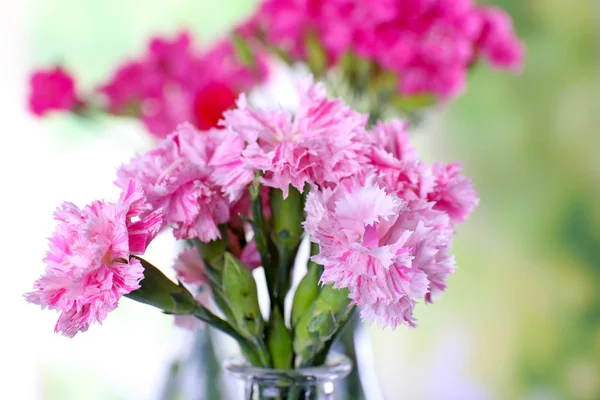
(286, 257)
(203, 314)
(254, 351)
(263, 352)
(263, 244)
(321, 356)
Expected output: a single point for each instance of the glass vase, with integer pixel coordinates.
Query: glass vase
(314, 383)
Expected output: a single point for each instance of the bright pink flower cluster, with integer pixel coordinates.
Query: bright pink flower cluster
(52, 89)
(429, 44)
(386, 234)
(88, 265)
(170, 84)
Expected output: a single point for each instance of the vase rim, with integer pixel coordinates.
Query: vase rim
(337, 366)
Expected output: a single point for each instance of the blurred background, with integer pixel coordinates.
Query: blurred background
(521, 318)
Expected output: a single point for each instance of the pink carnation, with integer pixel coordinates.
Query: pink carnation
(52, 90)
(395, 161)
(388, 252)
(88, 265)
(429, 44)
(173, 83)
(177, 178)
(320, 144)
(190, 269)
(452, 192)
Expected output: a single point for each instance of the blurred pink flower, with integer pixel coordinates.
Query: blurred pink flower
(88, 265)
(429, 44)
(52, 89)
(191, 270)
(498, 42)
(173, 83)
(190, 267)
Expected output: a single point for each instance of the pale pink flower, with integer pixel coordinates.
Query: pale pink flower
(395, 161)
(452, 192)
(230, 170)
(52, 89)
(387, 251)
(191, 270)
(190, 267)
(176, 178)
(88, 265)
(320, 144)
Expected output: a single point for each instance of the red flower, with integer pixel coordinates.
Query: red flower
(210, 103)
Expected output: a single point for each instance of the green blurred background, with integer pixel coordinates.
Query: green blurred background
(521, 317)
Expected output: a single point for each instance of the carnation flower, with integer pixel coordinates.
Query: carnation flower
(191, 270)
(428, 44)
(177, 178)
(452, 192)
(190, 267)
(88, 265)
(52, 89)
(497, 40)
(173, 83)
(395, 161)
(387, 251)
(320, 144)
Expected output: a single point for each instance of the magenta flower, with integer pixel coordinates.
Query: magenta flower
(177, 178)
(320, 144)
(173, 83)
(250, 255)
(498, 42)
(88, 265)
(388, 252)
(428, 44)
(52, 89)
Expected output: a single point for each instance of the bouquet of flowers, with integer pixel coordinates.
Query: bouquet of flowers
(243, 187)
(244, 195)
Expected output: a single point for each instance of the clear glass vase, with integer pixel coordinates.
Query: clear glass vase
(314, 383)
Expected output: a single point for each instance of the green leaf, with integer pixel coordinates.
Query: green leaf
(240, 292)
